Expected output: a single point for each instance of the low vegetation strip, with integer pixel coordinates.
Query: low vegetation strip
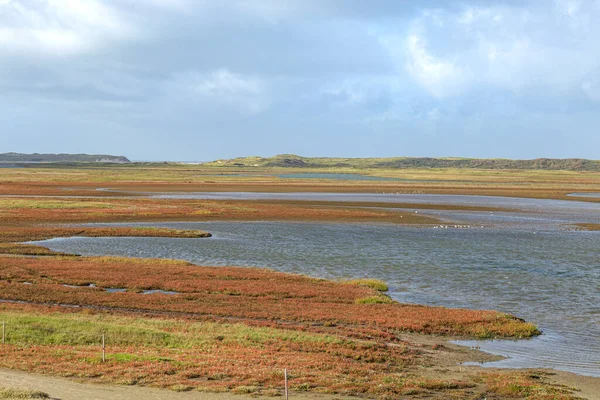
(376, 284)
(14, 394)
(20, 212)
(588, 227)
(21, 234)
(186, 354)
(236, 292)
(27, 250)
(81, 180)
(235, 329)
(10, 237)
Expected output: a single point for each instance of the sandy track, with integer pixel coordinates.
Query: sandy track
(588, 387)
(65, 389)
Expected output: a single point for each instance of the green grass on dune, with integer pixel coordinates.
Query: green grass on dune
(292, 160)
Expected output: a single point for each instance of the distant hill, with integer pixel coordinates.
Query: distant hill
(291, 160)
(60, 158)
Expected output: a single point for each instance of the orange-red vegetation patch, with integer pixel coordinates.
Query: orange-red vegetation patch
(588, 227)
(10, 235)
(207, 356)
(551, 189)
(198, 354)
(27, 211)
(254, 294)
(520, 385)
(27, 250)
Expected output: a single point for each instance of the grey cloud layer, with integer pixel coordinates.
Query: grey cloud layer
(384, 77)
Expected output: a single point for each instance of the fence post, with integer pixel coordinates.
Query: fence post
(3, 332)
(103, 349)
(286, 383)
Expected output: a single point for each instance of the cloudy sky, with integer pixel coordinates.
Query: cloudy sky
(207, 79)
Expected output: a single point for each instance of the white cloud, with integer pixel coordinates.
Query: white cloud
(472, 15)
(440, 77)
(245, 93)
(570, 7)
(59, 27)
(509, 48)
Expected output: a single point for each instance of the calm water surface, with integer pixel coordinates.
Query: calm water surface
(323, 175)
(467, 200)
(337, 177)
(594, 195)
(526, 213)
(547, 276)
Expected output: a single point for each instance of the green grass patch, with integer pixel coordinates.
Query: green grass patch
(12, 393)
(376, 284)
(49, 204)
(81, 329)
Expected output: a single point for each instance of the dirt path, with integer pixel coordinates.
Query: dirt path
(588, 387)
(66, 389)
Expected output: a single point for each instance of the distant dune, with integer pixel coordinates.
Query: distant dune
(57, 158)
(291, 160)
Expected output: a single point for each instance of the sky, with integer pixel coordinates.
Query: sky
(207, 79)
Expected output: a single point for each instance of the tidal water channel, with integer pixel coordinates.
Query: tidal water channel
(527, 261)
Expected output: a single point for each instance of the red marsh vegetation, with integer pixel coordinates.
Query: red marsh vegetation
(30, 211)
(254, 294)
(235, 329)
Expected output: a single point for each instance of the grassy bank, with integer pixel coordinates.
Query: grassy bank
(261, 296)
(32, 233)
(10, 393)
(11, 237)
(34, 211)
(188, 355)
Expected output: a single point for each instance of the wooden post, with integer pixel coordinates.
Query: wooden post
(286, 383)
(103, 349)
(3, 332)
